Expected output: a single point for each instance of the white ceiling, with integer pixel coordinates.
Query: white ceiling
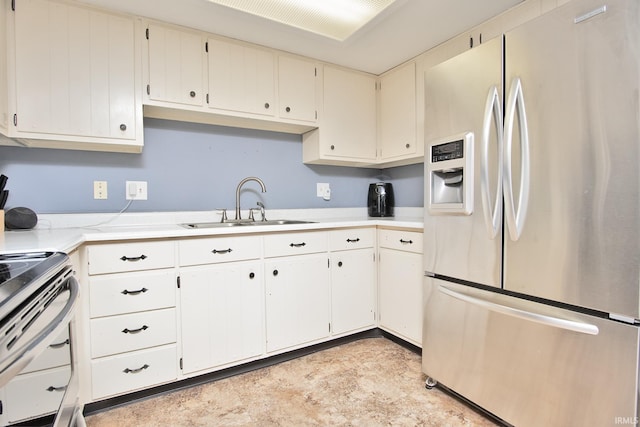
(403, 31)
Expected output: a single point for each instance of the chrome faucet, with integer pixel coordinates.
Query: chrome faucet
(250, 178)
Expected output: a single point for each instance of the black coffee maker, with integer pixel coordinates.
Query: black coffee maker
(380, 199)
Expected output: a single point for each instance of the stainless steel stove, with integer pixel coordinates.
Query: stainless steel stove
(38, 293)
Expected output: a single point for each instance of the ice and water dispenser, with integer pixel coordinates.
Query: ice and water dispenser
(450, 175)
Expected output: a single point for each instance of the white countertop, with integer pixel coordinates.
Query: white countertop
(66, 232)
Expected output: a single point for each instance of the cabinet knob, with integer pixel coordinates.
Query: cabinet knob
(192, 94)
(408, 145)
(252, 275)
(288, 109)
(275, 272)
(266, 105)
(123, 127)
(339, 263)
(333, 147)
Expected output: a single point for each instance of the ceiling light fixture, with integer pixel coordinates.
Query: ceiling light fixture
(336, 19)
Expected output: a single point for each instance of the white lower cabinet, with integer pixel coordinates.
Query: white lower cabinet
(297, 295)
(36, 393)
(132, 316)
(160, 311)
(353, 280)
(39, 388)
(222, 314)
(132, 371)
(400, 284)
(297, 289)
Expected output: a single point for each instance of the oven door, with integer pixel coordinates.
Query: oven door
(37, 368)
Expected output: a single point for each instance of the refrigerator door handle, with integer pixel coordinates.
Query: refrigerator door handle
(516, 218)
(570, 325)
(492, 115)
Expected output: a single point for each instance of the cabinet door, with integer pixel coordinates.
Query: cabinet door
(398, 113)
(348, 126)
(75, 71)
(176, 60)
(241, 78)
(297, 293)
(400, 293)
(296, 89)
(222, 310)
(353, 283)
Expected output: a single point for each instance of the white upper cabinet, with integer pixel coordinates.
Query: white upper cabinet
(297, 89)
(72, 78)
(347, 124)
(176, 71)
(241, 78)
(397, 108)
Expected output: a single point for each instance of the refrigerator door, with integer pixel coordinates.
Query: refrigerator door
(463, 97)
(528, 363)
(579, 241)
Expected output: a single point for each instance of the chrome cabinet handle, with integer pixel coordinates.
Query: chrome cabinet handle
(135, 371)
(133, 259)
(492, 115)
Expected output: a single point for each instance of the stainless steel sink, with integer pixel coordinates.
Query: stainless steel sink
(244, 223)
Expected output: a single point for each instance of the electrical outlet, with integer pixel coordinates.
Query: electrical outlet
(100, 190)
(136, 190)
(323, 190)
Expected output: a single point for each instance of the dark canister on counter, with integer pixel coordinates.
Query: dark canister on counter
(380, 200)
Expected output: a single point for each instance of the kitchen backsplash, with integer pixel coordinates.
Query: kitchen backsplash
(192, 167)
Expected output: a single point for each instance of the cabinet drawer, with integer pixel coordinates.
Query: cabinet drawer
(351, 238)
(123, 257)
(284, 244)
(219, 249)
(28, 395)
(118, 334)
(133, 371)
(410, 241)
(56, 354)
(130, 292)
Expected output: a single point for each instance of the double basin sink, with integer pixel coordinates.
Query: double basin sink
(248, 223)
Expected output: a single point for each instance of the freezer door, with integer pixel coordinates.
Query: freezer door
(579, 71)
(528, 363)
(463, 100)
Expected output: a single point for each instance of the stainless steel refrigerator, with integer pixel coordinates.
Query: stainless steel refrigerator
(532, 219)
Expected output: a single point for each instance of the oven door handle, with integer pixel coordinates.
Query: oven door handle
(20, 358)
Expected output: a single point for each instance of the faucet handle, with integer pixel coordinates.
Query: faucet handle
(251, 213)
(224, 214)
(264, 218)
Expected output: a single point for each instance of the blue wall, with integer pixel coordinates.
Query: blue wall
(191, 167)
